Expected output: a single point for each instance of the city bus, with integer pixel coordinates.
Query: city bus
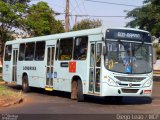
(85, 62)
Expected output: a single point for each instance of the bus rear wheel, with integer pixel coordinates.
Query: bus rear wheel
(25, 84)
(80, 95)
(77, 91)
(74, 90)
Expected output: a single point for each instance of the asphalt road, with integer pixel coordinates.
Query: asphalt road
(42, 102)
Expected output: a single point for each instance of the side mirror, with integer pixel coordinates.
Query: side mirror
(105, 52)
(153, 38)
(154, 55)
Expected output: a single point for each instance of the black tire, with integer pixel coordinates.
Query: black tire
(74, 90)
(25, 84)
(80, 95)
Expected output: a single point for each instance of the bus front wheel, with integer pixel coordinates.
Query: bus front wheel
(25, 84)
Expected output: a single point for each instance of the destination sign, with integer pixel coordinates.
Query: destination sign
(130, 35)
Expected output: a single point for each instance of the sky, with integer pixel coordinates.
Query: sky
(85, 7)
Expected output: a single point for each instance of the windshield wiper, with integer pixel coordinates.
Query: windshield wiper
(125, 46)
(121, 43)
(140, 45)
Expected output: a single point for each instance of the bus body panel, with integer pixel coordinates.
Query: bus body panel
(95, 38)
(7, 67)
(64, 77)
(35, 70)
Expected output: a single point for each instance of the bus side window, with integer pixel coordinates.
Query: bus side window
(80, 48)
(29, 54)
(65, 51)
(21, 52)
(57, 47)
(40, 50)
(8, 52)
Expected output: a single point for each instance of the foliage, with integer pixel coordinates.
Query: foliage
(87, 24)
(35, 20)
(157, 46)
(146, 17)
(40, 20)
(16, 1)
(11, 12)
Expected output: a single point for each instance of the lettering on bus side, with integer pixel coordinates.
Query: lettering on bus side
(29, 68)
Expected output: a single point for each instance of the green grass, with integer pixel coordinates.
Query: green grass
(2, 88)
(6, 93)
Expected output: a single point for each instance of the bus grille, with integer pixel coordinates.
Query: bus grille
(130, 90)
(130, 79)
(133, 85)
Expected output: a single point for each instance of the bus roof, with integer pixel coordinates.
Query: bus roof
(59, 36)
(93, 31)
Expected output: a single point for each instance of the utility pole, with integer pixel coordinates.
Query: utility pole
(76, 21)
(67, 16)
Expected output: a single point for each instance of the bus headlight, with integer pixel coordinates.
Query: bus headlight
(111, 82)
(148, 83)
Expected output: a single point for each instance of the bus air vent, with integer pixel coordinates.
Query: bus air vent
(130, 79)
(130, 90)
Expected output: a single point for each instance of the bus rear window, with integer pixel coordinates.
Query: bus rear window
(8, 52)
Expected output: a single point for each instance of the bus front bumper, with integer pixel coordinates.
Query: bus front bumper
(126, 91)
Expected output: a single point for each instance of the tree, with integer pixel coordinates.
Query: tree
(146, 17)
(40, 20)
(156, 46)
(17, 15)
(87, 24)
(12, 2)
(11, 12)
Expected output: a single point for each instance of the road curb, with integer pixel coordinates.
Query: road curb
(18, 101)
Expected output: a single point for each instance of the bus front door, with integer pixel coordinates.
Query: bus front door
(50, 67)
(14, 67)
(95, 67)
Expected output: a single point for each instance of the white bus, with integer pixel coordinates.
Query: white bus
(86, 62)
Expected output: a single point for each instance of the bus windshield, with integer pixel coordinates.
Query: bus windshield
(128, 57)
